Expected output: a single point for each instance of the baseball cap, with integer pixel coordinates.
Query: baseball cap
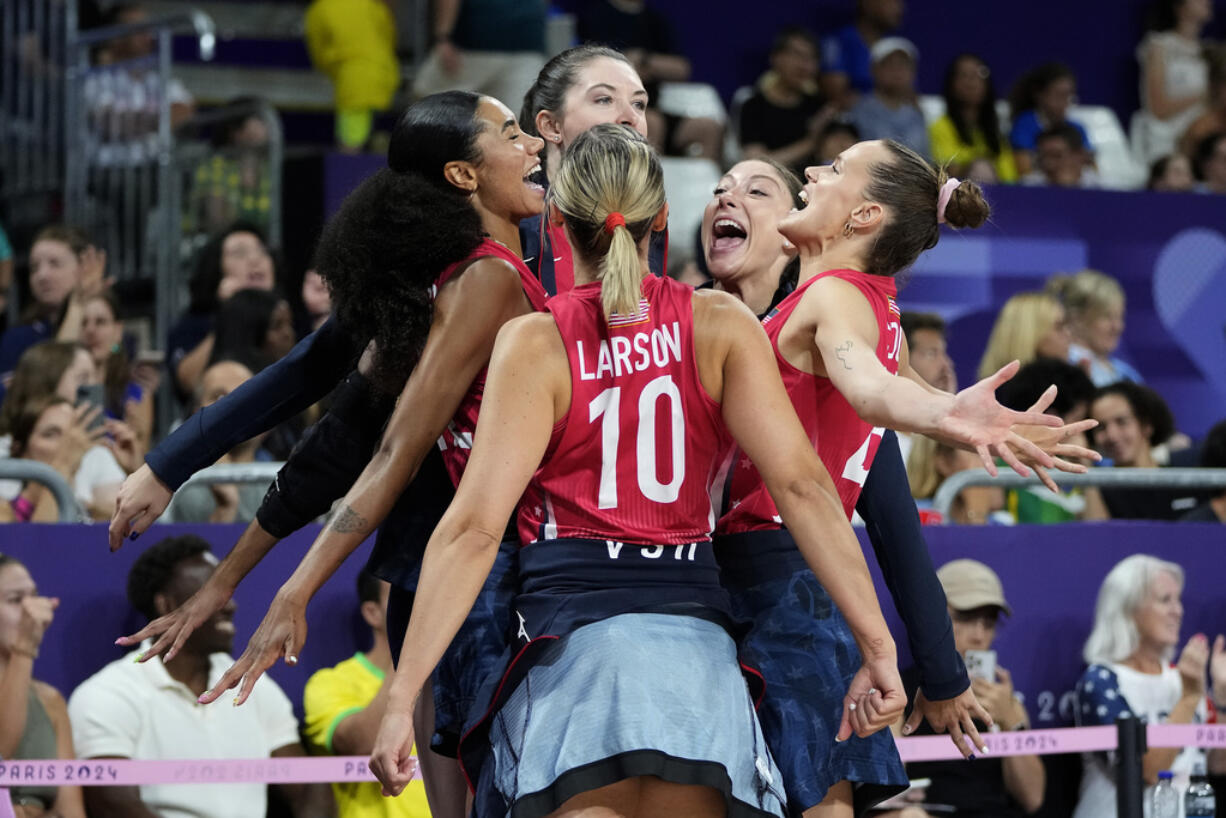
(969, 584)
(888, 45)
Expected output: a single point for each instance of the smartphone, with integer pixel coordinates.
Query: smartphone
(153, 357)
(93, 395)
(981, 664)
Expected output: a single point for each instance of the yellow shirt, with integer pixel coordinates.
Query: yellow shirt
(947, 147)
(354, 43)
(331, 695)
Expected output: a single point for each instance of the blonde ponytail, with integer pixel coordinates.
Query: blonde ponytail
(609, 189)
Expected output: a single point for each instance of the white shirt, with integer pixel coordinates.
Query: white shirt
(131, 710)
(1101, 693)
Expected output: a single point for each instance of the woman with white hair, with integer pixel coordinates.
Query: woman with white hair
(1129, 652)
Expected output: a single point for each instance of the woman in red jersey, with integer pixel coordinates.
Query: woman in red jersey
(769, 582)
(612, 412)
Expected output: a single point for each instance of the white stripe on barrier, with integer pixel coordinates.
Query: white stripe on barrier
(125, 772)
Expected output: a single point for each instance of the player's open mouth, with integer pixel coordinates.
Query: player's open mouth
(727, 234)
(535, 179)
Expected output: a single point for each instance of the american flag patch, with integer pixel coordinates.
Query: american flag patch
(618, 319)
(893, 305)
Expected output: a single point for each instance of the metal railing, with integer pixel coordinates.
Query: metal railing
(1101, 478)
(15, 468)
(235, 473)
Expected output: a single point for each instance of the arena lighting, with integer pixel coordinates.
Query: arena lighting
(206, 34)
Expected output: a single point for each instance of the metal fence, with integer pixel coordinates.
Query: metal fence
(1103, 478)
(15, 468)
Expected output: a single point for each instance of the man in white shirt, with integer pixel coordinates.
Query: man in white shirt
(149, 710)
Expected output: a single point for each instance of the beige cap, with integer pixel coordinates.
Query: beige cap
(891, 45)
(969, 584)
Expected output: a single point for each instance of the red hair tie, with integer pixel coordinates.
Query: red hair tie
(613, 221)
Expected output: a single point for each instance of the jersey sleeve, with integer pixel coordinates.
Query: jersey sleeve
(306, 374)
(327, 700)
(1099, 700)
(898, 542)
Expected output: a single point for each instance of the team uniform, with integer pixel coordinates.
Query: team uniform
(798, 638)
(622, 662)
(481, 640)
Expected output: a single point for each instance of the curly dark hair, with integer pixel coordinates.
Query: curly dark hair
(154, 568)
(1147, 406)
(383, 250)
(207, 275)
(986, 119)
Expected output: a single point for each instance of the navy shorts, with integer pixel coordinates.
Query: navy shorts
(808, 656)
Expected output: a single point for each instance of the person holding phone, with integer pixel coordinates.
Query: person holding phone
(998, 787)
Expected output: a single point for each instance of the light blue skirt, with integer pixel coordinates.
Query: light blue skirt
(635, 694)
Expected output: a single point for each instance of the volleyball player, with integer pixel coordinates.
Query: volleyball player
(611, 412)
(866, 218)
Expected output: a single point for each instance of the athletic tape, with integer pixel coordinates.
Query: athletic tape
(124, 772)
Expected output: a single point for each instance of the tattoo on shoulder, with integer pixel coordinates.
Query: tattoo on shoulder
(348, 521)
(840, 353)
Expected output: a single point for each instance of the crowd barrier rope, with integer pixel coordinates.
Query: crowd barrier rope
(112, 772)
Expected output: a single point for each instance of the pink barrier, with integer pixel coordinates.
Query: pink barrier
(124, 772)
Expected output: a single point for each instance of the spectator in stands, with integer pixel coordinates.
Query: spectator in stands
(835, 138)
(1212, 456)
(128, 389)
(342, 706)
(970, 128)
(1129, 652)
(890, 111)
(354, 43)
(1214, 119)
(1094, 303)
(316, 299)
(1174, 76)
(931, 463)
(149, 711)
(56, 369)
(33, 716)
(65, 270)
(644, 35)
(1133, 421)
(131, 94)
(1171, 174)
(233, 183)
(221, 502)
(925, 334)
(51, 431)
(6, 278)
(1074, 391)
(1040, 100)
(1006, 787)
(846, 66)
(235, 259)
(785, 115)
(1061, 160)
(255, 327)
(491, 47)
(1029, 326)
(1211, 164)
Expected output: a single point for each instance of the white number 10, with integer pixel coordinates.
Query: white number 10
(607, 407)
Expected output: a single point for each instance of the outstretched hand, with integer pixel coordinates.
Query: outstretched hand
(955, 716)
(173, 629)
(141, 500)
(874, 699)
(978, 421)
(281, 633)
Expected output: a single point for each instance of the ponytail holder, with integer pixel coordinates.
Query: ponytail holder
(947, 190)
(613, 221)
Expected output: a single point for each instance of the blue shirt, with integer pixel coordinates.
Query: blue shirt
(905, 124)
(15, 341)
(845, 52)
(1027, 127)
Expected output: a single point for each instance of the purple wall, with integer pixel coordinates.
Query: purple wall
(1050, 575)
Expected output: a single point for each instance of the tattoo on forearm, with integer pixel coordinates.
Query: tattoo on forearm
(348, 521)
(840, 351)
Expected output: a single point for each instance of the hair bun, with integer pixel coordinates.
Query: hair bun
(967, 207)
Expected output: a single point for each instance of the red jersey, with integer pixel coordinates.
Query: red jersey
(456, 441)
(636, 456)
(845, 443)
